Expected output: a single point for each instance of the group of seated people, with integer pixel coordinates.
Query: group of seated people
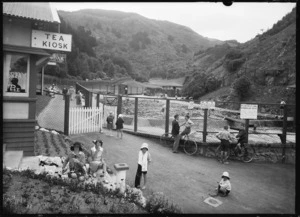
(78, 166)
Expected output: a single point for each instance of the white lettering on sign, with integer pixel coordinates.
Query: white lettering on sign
(58, 57)
(248, 111)
(51, 40)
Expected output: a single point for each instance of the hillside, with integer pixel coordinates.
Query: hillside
(267, 62)
(152, 47)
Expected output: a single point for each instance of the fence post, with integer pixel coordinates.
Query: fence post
(98, 100)
(67, 110)
(119, 108)
(205, 125)
(135, 114)
(247, 129)
(284, 129)
(167, 116)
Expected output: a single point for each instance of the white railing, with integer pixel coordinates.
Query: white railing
(84, 120)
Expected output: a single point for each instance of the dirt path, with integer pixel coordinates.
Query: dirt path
(186, 180)
(52, 117)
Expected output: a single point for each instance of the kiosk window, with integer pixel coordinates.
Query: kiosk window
(16, 74)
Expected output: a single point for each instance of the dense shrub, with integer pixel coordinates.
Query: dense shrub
(242, 87)
(234, 59)
(199, 85)
(139, 41)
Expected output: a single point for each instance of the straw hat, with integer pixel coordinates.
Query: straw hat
(144, 145)
(225, 174)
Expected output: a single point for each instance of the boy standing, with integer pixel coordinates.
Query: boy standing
(110, 120)
(225, 138)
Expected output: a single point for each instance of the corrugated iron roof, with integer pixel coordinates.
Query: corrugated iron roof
(42, 11)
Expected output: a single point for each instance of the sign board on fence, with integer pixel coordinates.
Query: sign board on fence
(51, 40)
(207, 104)
(248, 111)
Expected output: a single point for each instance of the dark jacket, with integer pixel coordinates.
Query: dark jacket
(175, 128)
(110, 119)
(119, 123)
(242, 136)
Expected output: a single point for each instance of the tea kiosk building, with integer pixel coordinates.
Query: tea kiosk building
(27, 28)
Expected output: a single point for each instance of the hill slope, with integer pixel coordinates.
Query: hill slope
(153, 47)
(267, 61)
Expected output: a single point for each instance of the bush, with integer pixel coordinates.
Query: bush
(157, 203)
(234, 59)
(242, 87)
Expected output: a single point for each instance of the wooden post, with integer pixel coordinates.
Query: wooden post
(167, 118)
(284, 129)
(98, 100)
(66, 119)
(42, 84)
(119, 107)
(136, 114)
(247, 129)
(205, 125)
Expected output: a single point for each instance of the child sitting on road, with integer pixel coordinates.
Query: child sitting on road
(224, 186)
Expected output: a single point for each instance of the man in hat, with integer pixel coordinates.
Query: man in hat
(76, 160)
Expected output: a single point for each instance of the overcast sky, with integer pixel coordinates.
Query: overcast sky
(240, 21)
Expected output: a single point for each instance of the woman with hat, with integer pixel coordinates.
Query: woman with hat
(143, 161)
(96, 160)
(76, 160)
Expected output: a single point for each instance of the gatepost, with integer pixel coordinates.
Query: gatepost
(247, 112)
(205, 105)
(121, 175)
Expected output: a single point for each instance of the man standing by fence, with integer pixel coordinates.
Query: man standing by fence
(175, 133)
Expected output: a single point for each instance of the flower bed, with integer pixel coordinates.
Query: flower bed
(29, 192)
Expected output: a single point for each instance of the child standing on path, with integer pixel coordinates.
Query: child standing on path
(225, 138)
(110, 121)
(143, 161)
(119, 124)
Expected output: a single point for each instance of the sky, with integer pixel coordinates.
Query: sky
(240, 21)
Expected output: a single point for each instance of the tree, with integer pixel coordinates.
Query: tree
(242, 87)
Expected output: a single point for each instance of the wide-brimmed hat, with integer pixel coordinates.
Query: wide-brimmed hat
(225, 174)
(76, 144)
(144, 145)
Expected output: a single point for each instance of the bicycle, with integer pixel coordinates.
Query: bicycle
(190, 147)
(246, 153)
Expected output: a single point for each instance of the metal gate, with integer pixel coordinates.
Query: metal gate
(85, 120)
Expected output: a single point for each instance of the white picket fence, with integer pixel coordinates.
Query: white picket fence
(85, 120)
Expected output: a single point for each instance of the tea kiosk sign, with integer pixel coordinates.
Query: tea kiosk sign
(51, 40)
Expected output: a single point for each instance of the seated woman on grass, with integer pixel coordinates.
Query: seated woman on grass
(96, 160)
(76, 160)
